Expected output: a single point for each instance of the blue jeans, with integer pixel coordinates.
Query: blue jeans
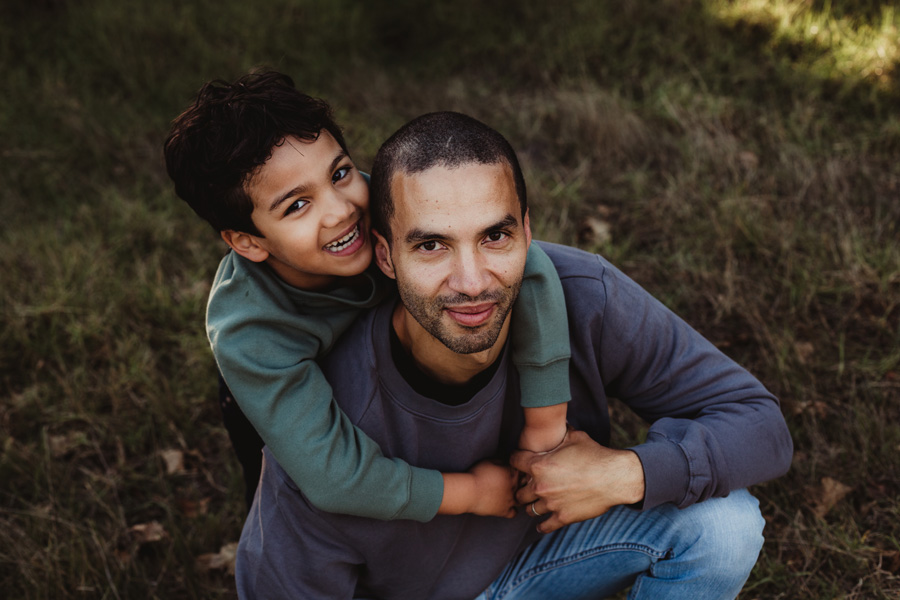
(704, 551)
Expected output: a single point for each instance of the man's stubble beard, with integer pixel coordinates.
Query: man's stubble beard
(429, 313)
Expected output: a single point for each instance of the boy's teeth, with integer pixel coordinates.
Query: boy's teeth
(344, 241)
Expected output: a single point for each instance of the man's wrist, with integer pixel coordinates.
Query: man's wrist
(633, 485)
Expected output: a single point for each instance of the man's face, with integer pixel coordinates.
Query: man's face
(310, 204)
(458, 251)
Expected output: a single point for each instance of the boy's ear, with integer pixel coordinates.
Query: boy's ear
(383, 255)
(246, 245)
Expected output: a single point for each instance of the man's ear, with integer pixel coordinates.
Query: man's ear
(246, 245)
(526, 223)
(383, 255)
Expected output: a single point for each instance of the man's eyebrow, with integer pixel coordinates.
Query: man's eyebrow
(416, 236)
(421, 235)
(304, 188)
(504, 223)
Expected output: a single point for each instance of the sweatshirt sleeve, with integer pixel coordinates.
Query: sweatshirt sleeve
(714, 427)
(540, 334)
(266, 351)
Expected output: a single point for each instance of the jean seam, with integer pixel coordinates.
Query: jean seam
(579, 556)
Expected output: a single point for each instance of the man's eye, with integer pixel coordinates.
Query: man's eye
(496, 236)
(430, 246)
(295, 206)
(340, 173)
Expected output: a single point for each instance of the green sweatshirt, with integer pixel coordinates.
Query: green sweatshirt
(266, 336)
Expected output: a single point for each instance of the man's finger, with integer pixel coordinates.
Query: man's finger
(533, 510)
(551, 524)
(521, 461)
(525, 495)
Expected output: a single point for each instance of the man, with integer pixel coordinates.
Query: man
(428, 378)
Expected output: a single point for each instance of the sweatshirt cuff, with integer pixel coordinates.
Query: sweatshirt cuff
(544, 385)
(666, 472)
(426, 492)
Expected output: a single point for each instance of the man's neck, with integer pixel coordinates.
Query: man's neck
(434, 358)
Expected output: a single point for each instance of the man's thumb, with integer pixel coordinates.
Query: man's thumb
(521, 461)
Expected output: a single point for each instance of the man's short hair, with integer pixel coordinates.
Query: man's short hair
(219, 142)
(446, 139)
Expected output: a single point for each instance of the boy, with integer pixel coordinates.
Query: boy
(268, 168)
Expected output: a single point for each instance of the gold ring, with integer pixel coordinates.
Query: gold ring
(534, 510)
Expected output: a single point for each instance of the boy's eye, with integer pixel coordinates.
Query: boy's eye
(295, 206)
(340, 173)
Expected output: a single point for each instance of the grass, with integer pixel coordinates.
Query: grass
(738, 159)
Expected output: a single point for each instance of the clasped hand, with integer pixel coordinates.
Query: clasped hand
(579, 480)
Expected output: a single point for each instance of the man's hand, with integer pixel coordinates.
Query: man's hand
(578, 481)
(495, 489)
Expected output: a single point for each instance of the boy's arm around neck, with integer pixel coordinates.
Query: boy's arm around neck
(266, 349)
(540, 334)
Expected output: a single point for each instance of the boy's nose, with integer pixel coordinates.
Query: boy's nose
(339, 209)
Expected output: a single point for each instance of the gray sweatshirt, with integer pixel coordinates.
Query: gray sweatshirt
(714, 428)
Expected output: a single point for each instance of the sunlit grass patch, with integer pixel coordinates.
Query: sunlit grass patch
(832, 41)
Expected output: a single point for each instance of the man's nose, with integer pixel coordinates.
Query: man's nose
(470, 274)
(338, 209)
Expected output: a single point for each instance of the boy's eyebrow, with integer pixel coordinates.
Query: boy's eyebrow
(304, 187)
(416, 236)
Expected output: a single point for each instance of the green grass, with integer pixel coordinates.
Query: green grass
(738, 159)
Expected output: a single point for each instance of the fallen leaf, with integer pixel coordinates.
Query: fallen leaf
(61, 445)
(804, 351)
(193, 508)
(748, 160)
(832, 492)
(124, 555)
(890, 561)
(594, 230)
(174, 460)
(224, 559)
(812, 407)
(146, 533)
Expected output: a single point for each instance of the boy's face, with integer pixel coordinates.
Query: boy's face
(310, 205)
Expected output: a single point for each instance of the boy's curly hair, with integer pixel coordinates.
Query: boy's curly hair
(219, 142)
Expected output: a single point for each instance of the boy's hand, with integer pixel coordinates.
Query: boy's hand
(495, 489)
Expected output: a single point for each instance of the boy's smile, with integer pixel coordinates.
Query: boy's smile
(311, 207)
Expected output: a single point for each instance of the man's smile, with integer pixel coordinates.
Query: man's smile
(471, 315)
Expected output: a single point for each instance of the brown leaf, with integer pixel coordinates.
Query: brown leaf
(832, 492)
(594, 230)
(123, 555)
(223, 560)
(804, 351)
(174, 460)
(61, 445)
(146, 533)
(193, 508)
(890, 561)
(748, 160)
